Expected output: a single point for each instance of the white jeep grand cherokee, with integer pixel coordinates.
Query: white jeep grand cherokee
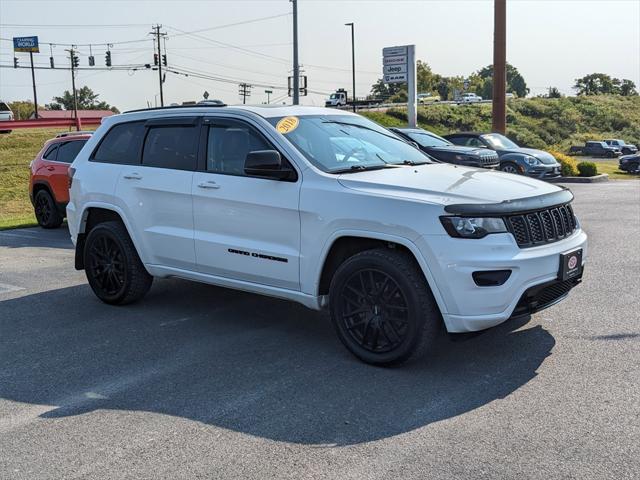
(321, 207)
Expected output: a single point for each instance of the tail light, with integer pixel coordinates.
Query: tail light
(70, 173)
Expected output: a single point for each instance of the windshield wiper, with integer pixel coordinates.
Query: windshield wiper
(362, 126)
(359, 168)
(411, 162)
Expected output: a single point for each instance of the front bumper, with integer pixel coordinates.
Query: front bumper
(543, 171)
(465, 306)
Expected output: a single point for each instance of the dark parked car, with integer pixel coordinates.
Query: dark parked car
(630, 163)
(595, 149)
(445, 151)
(513, 159)
(625, 148)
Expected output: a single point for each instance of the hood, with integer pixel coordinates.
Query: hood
(445, 184)
(544, 157)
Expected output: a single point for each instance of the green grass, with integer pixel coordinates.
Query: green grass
(17, 149)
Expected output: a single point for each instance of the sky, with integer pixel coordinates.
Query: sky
(551, 42)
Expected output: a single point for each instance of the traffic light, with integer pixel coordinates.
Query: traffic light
(51, 62)
(92, 61)
(164, 59)
(15, 62)
(107, 58)
(155, 59)
(75, 59)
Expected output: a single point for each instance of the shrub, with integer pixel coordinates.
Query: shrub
(568, 164)
(587, 169)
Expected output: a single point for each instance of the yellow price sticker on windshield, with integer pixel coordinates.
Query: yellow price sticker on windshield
(287, 124)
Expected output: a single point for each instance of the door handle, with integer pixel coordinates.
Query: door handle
(51, 168)
(210, 184)
(132, 176)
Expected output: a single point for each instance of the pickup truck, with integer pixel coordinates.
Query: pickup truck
(595, 149)
(625, 148)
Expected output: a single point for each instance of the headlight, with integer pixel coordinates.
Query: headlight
(467, 227)
(532, 160)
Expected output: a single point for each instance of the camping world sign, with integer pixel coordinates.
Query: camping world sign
(26, 44)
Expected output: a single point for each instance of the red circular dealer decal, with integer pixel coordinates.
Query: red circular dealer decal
(573, 261)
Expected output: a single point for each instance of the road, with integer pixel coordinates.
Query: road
(201, 382)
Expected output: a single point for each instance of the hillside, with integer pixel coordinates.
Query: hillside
(547, 123)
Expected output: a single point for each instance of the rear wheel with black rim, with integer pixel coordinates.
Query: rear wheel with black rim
(610, 154)
(46, 210)
(382, 308)
(509, 167)
(114, 270)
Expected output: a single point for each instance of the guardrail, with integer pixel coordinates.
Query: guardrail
(50, 122)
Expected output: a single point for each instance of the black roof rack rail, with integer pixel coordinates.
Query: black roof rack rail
(169, 107)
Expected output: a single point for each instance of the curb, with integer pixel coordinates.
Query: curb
(603, 177)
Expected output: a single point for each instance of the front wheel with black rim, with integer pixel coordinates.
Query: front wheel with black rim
(46, 210)
(114, 270)
(509, 168)
(382, 308)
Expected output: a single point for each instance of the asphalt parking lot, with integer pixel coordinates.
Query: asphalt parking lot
(202, 382)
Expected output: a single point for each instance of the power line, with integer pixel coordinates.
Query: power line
(218, 27)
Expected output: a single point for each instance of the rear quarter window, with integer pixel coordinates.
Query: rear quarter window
(68, 151)
(172, 147)
(121, 144)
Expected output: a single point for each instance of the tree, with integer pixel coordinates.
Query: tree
(22, 109)
(515, 82)
(595, 84)
(554, 93)
(628, 88)
(87, 100)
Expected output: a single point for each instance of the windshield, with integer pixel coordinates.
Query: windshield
(334, 96)
(425, 139)
(499, 142)
(340, 143)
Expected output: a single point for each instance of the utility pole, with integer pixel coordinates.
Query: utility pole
(73, 58)
(244, 91)
(353, 65)
(158, 34)
(33, 79)
(499, 67)
(268, 92)
(296, 66)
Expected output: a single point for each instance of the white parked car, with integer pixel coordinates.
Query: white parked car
(6, 115)
(470, 98)
(322, 207)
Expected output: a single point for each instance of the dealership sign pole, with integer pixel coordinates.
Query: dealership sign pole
(29, 44)
(399, 66)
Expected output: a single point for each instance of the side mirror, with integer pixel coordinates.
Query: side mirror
(267, 164)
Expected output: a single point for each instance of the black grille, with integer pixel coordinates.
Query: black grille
(544, 226)
(542, 296)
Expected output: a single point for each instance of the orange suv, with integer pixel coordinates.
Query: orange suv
(48, 181)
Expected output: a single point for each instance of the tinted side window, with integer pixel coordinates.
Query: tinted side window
(472, 142)
(51, 152)
(171, 147)
(67, 152)
(228, 145)
(121, 144)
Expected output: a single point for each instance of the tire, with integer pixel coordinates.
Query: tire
(509, 167)
(610, 155)
(633, 167)
(373, 284)
(112, 265)
(46, 210)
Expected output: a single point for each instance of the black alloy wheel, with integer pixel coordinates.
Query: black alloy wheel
(112, 265)
(382, 308)
(374, 311)
(107, 265)
(46, 211)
